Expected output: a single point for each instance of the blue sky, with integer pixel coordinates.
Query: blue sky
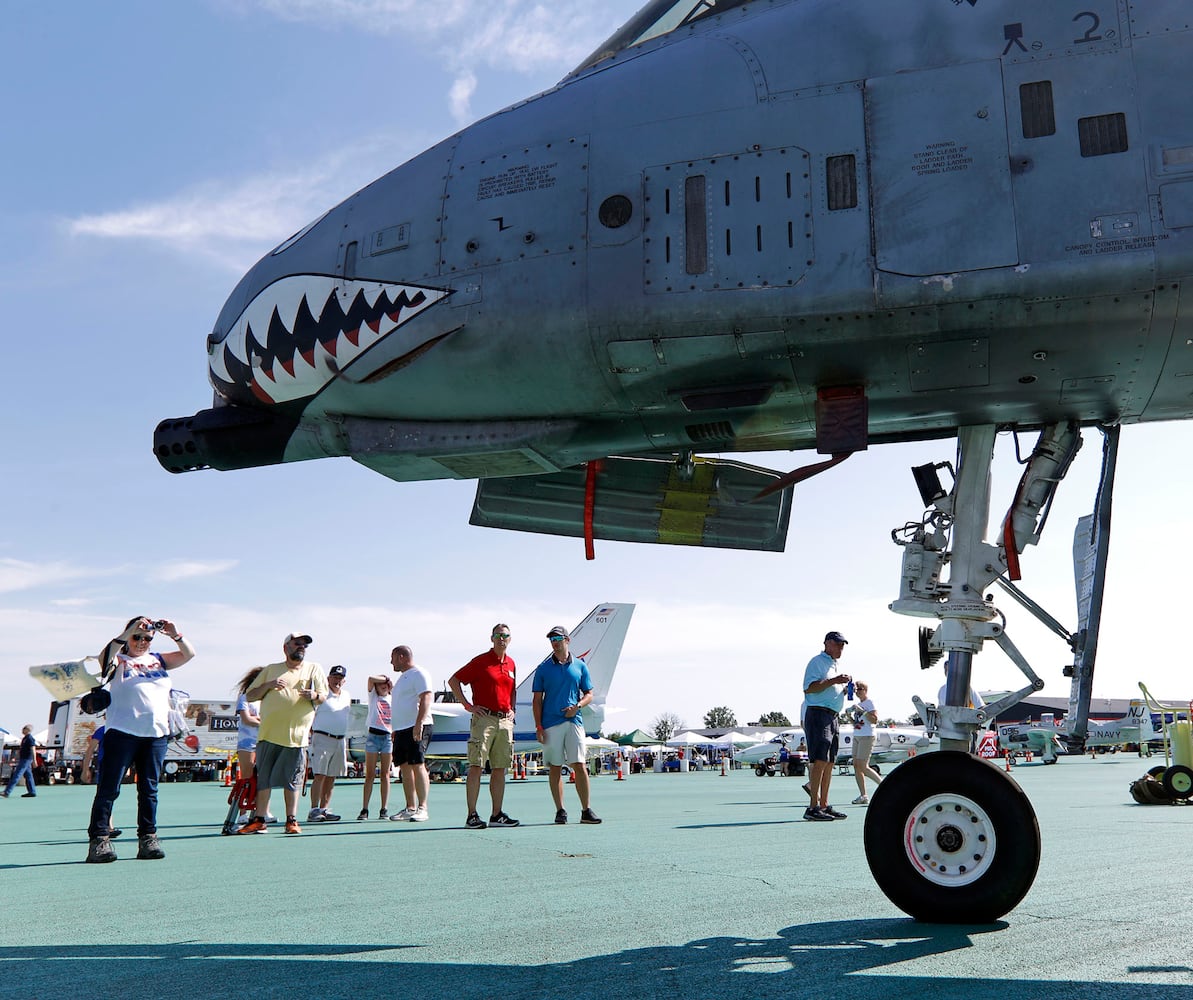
(153, 152)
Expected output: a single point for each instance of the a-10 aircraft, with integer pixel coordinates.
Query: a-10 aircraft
(756, 225)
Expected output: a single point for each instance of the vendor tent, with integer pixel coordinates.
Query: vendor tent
(638, 738)
(689, 739)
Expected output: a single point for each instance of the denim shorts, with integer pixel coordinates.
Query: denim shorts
(378, 744)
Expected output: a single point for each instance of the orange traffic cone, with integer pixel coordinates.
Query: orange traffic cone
(620, 776)
(1007, 758)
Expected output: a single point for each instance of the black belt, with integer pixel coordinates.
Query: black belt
(320, 732)
(489, 711)
(380, 732)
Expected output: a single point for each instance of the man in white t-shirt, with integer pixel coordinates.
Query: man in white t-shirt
(329, 745)
(412, 732)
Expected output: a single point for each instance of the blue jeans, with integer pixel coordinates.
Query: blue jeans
(23, 769)
(122, 751)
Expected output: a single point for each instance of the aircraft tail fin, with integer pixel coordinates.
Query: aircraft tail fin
(597, 640)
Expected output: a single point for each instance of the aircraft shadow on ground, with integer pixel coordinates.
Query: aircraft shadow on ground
(812, 960)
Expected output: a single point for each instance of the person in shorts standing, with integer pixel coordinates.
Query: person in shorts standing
(378, 743)
(492, 678)
(412, 732)
(562, 687)
(865, 716)
(329, 745)
(289, 693)
(824, 697)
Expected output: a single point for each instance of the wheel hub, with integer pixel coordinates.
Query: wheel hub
(950, 839)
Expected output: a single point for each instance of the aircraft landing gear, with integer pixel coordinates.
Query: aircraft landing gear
(952, 839)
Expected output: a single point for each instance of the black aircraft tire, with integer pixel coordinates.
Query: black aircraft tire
(1178, 781)
(974, 834)
(1157, 772)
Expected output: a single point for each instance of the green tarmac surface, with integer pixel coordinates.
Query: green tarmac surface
(696, 885)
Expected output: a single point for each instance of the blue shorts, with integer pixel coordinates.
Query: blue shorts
(375, 743)
(821, 729)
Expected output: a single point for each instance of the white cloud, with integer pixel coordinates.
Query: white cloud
(460, 96)
(16, 575)
(187, 570)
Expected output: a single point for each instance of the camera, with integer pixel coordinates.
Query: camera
(159, 625)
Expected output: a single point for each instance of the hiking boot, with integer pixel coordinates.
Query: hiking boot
(254, 825)
(817, 815)
(861, 800)
(150, 848)
(588, 816)
(501, 819)
(561, 816)
(833, 814)
(292, 826)
(384, 814)
(420, 815)
(474, 822)
(100, 851)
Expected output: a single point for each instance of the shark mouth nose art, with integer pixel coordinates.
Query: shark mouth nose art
(300, 332)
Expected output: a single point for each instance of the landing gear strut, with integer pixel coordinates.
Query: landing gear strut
(951, 838)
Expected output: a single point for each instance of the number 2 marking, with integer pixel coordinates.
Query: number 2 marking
(1089, 36)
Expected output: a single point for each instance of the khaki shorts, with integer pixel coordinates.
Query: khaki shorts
(328, 755)
(863, 746)
(492, 739)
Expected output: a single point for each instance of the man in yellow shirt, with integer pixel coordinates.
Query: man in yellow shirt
(289, 692)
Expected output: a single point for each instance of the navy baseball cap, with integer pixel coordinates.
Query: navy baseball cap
(836, 637)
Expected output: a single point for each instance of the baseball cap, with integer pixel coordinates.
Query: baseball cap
(298, 635)
(337, 671)
(558, 630)
(836, 637)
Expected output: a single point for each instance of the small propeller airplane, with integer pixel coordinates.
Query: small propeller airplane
(764, 225)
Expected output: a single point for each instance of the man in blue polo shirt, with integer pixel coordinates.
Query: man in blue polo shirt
(562, 688)
(824, 696)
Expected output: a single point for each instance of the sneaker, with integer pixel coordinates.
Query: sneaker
(315, 816)
(100, 851)
(292, 826)
(833, 814)
(270, 818)
(405, 815)
(561, 816)
(817, 815)
(4, 794)
(254, 825)
(364, 814)
(244, 818)
(861, 800)
(29, 795)
(474, 822)
(419, 815)
(501, 819)
(330, 817)
(384, 814)
(150, 848)
(588, 816)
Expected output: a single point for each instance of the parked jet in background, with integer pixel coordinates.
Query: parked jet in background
(597, 640)
(1137, 726)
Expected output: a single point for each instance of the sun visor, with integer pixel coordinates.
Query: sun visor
(653, 500)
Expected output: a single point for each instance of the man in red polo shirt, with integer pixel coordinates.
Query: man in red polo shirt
(492, 677)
